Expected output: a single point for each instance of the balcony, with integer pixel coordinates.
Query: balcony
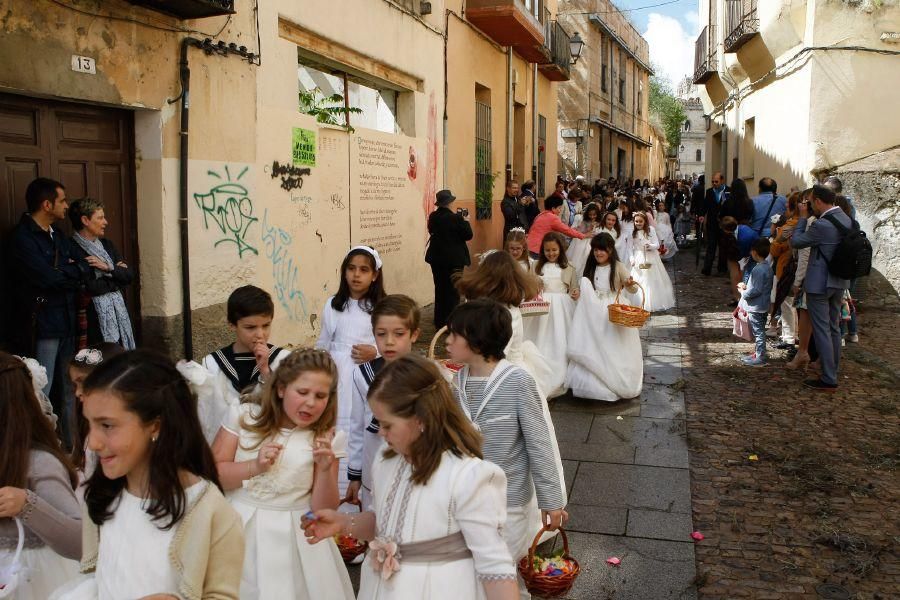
(741, 23)
(509, 23)
(189, 9)
(557, 48)
(705, 63)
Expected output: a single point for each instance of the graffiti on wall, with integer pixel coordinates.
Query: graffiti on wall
(228, 208)
(285, 270)
(290, 175)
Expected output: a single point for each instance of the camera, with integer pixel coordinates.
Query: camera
(463, 212)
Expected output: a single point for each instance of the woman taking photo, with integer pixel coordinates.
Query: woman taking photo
(447, 253)
(107, 317)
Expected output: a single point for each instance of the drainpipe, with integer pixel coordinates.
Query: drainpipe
(534, 127)
(446, 92)
(509, 112)
(185, 75)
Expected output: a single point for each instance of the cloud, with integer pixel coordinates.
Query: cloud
(671, 47)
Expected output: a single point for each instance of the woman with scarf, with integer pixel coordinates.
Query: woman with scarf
(102, 315)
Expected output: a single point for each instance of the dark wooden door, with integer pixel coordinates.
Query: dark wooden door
(89, 149)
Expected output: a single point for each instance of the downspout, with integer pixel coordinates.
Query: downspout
(509, 112)
(185, 75)
(535, 151)
(446, 93)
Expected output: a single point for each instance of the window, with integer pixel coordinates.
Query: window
(377, 108)
(603, 76)
(748, 149)
(484, 185)
(604, 70)
(621, 77)
(621, 90)
(542, 156)
(699, 156)
(640, 99)
(687, 125)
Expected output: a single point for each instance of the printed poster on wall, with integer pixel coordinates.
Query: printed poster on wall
(387, 183)
(303, 146)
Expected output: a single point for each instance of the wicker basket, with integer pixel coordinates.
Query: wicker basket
(451, 366)
(349, 546)
(627, 315)
(535, 308)
(548, 586)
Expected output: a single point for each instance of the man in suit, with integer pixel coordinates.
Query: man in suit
(512, 209)
(824, 291)
(709, 216)
(447, 254)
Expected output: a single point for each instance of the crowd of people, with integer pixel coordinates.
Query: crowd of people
(243, 473)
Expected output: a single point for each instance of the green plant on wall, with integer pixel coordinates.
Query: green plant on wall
(484, 183)
(329, 110)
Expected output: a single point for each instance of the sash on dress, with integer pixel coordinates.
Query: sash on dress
(439, 550)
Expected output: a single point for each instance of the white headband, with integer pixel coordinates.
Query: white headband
(485, 254)
(521, 229)
(373, 252)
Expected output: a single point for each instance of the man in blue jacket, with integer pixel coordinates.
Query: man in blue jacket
(824, 291)
(765, 205)
(45, 278)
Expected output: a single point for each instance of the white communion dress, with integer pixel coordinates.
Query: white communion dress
(605, 361)
(623, 242)
(666, 235)
(341, 330)
(462, 508)
(550, 332)
(579, 250)
(648, 270)
(278, 561)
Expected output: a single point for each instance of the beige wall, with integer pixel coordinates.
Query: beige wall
(473, 59)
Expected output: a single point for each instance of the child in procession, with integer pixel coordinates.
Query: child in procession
(549, 332)
(438, 508)
(157, 483)
(347, 328)
(503, 402)
(516, 246)
(647, 267)
(395, 323)
(605, 359)
(278, 459)
(578, 250)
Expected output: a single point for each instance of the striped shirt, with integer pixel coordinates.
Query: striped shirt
(516, 436)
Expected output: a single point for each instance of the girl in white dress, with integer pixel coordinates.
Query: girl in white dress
(347, 329)
(605, 361)
(156, 522)
(664, 231)
(515, 245)
(647, 267)
(279, 459)
(550, 332)
(438, 508)
(626, 226)
(590, 225)
(36, 487)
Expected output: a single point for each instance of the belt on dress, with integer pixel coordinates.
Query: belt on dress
(445, 549)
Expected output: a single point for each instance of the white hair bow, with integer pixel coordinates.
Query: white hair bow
(372, 251)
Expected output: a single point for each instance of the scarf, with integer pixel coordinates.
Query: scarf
(115, 324)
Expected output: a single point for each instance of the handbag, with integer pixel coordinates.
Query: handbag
(740, 325)
(12, 573)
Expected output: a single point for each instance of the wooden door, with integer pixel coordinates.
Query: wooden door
(90, 150)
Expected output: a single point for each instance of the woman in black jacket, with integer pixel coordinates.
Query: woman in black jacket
(106, 317)
(447, 253)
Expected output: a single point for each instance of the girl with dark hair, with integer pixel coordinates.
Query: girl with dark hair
(549, 332)
(157, 522)
(347, 328)
(591, 222)
(647, 267)
(737, 203)
(36, 486)
(438, 511)
(605, 361)
(278, 459)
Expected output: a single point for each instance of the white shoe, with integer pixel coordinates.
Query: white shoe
(852, 338)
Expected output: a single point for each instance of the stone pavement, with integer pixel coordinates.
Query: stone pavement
(627, 474)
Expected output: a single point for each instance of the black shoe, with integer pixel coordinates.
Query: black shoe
(706, 272)
(784, 346)
(733, 304)
(819, 385)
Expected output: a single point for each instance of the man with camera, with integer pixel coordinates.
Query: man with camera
(512, 208)
(447, 253)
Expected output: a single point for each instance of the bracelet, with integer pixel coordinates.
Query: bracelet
(352, 525)
(249, 469)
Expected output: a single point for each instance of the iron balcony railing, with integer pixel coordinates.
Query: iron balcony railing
(741, 22)
(557, 43)
(705, 63)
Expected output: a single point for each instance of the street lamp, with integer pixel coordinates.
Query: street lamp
(576, 46)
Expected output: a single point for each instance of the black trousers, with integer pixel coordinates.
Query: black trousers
(713, 235)
(445, 295)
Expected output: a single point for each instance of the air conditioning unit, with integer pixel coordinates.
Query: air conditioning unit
(189, 9)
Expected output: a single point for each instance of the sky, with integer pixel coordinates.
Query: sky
(670, 31)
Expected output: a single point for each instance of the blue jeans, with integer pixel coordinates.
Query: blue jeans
(851, 326)
(825, 313)
(54, 354)
(757, 321)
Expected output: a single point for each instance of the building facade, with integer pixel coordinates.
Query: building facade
(795, 90)
(604, 115)
(692, 148)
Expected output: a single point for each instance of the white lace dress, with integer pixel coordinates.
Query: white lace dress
(278, 561)
(464, 495)
(648, 270)
(605, 360)
(579, 250)
(550, 332)
(666, 235)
